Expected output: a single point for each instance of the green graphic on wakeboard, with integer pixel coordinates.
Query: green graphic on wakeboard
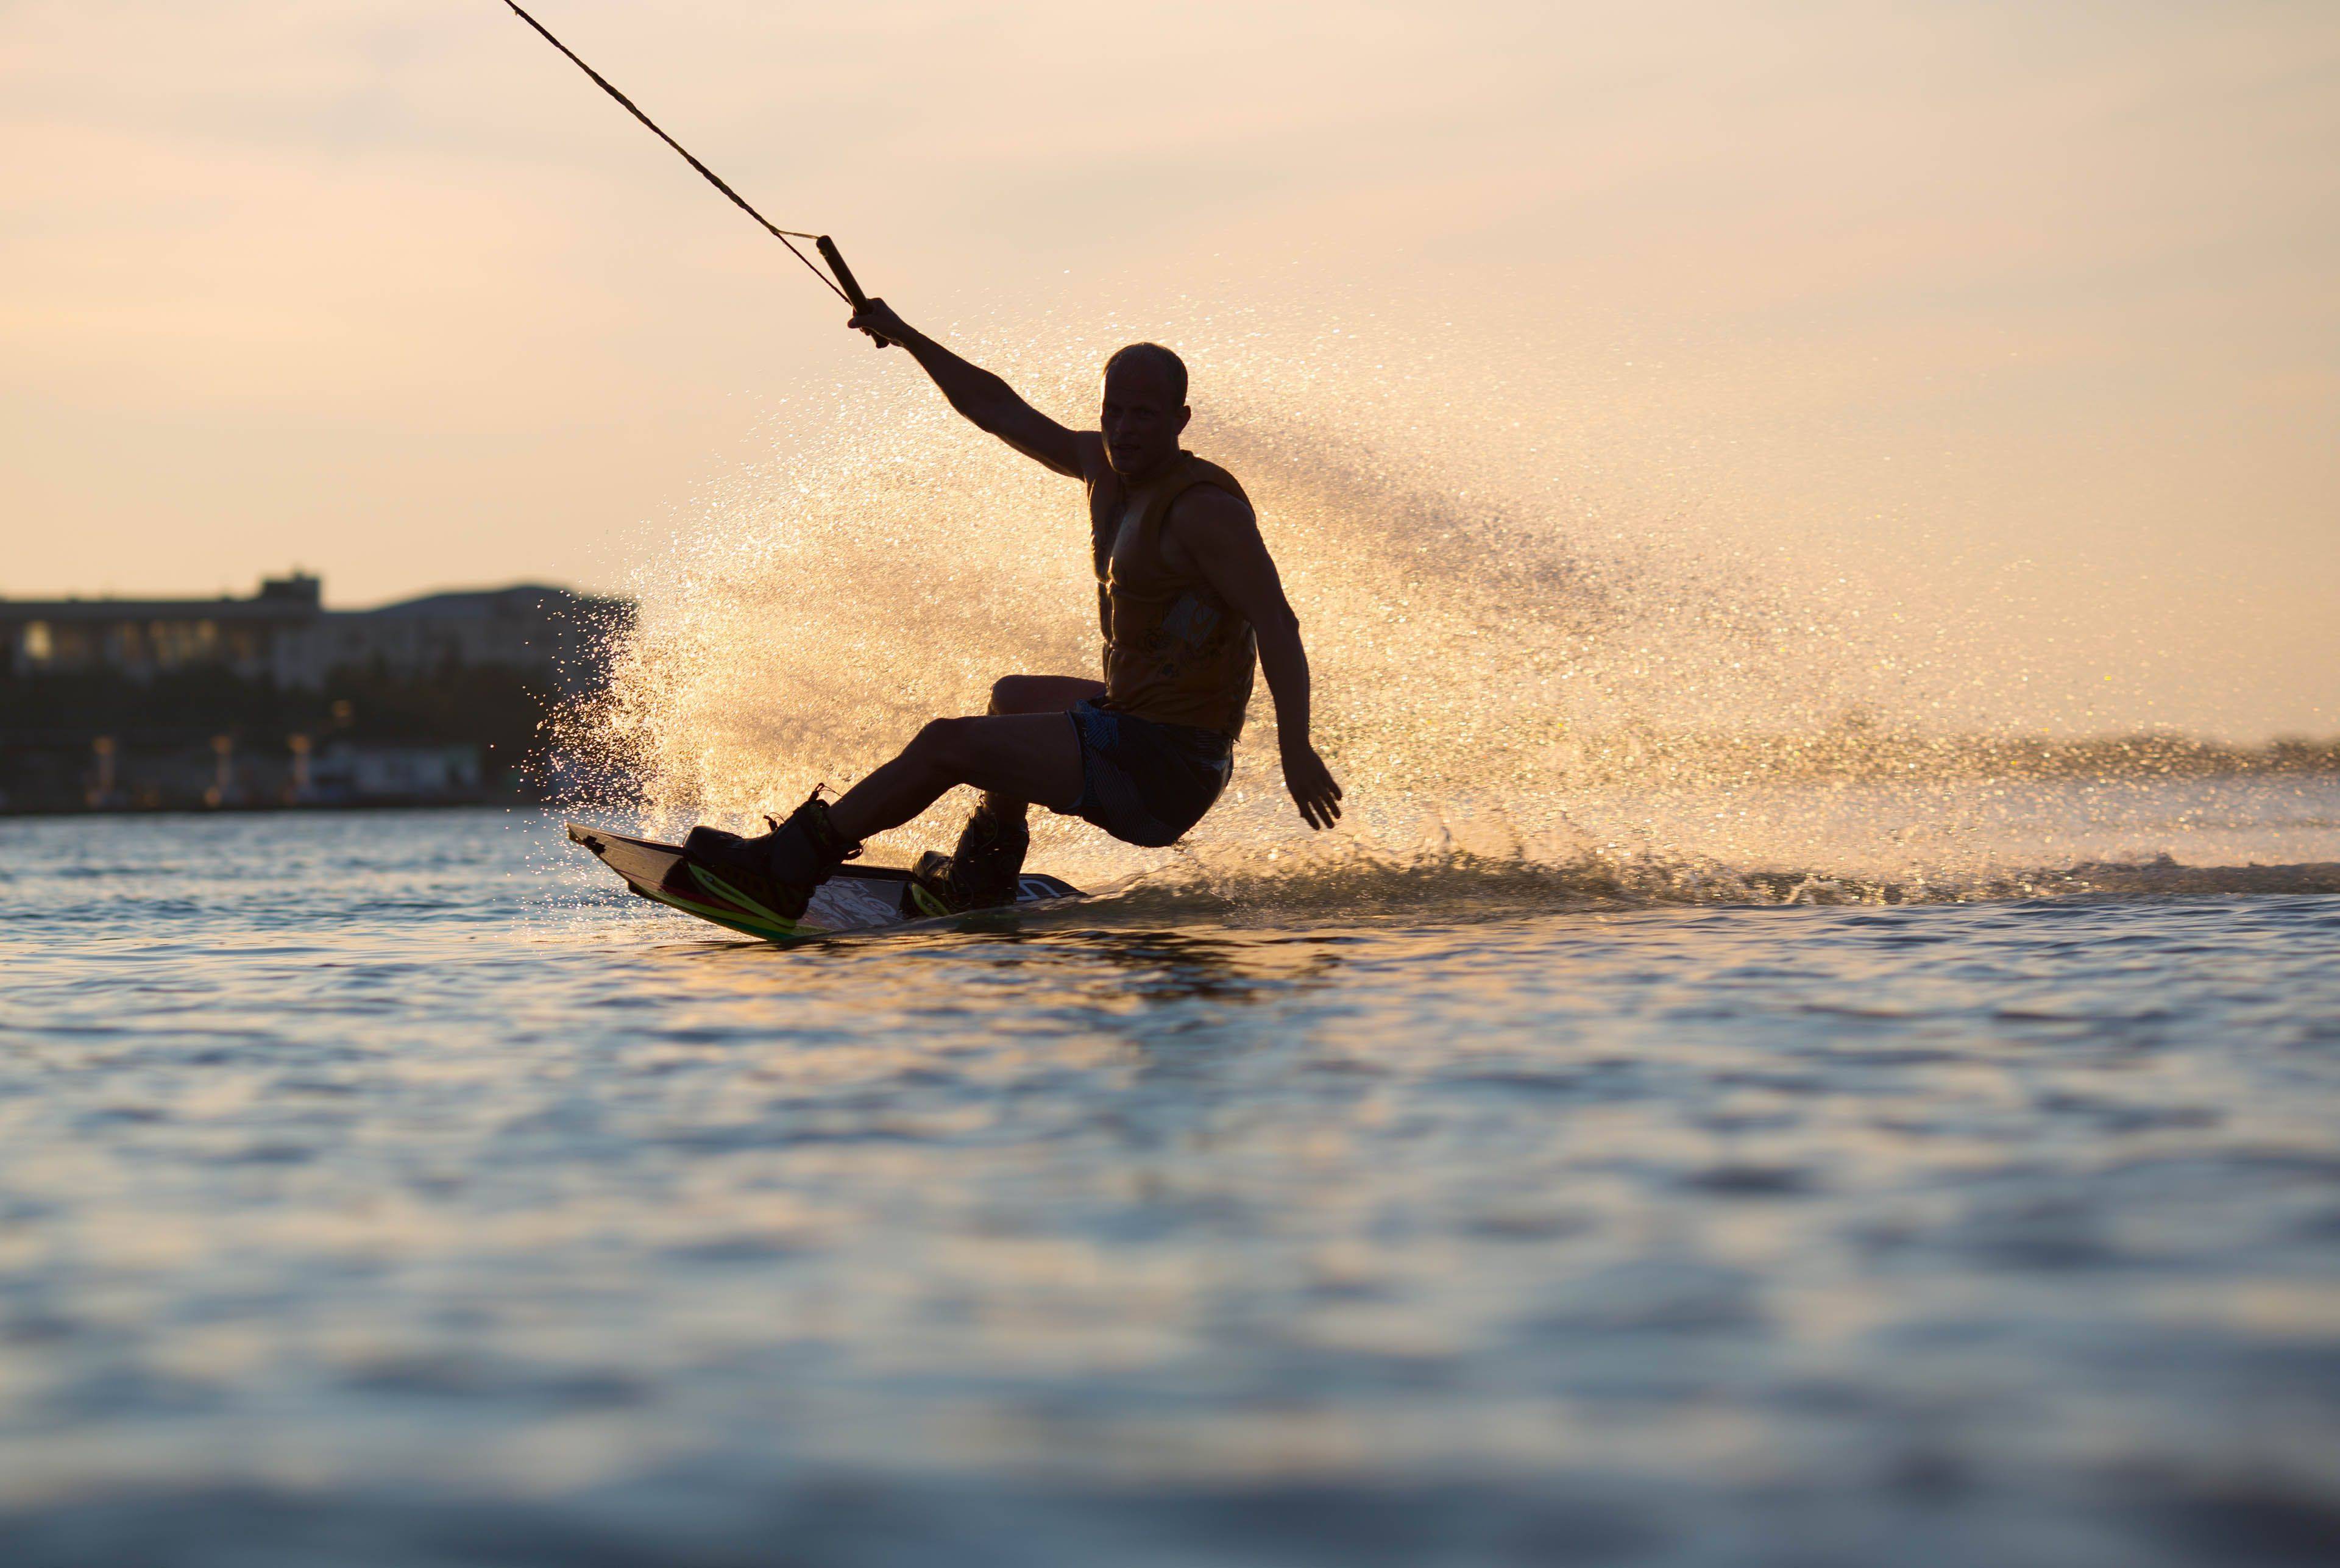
(857, 898)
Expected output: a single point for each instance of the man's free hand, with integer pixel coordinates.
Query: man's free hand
(1313, 787)
(877, 319)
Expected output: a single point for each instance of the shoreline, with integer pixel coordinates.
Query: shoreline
(261, 808)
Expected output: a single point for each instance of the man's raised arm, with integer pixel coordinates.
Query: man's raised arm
(987, 402)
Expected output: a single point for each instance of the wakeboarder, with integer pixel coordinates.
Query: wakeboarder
(1186, 595)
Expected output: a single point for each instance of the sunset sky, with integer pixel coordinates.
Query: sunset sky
(2045, 293)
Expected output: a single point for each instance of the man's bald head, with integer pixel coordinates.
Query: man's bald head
(1159, 360)
(1144, 409)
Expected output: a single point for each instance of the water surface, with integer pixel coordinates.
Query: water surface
(391, 1188)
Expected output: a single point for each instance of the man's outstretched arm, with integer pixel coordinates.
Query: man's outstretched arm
(987, 402)
(1221, 536)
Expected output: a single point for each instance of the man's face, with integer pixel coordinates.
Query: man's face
(1141, 423)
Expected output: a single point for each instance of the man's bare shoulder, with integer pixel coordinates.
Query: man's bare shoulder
(1207, 523)
(1207, 508)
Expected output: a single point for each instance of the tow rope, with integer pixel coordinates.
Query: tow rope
(844, 287)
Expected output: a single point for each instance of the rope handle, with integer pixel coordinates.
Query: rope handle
(828, 252)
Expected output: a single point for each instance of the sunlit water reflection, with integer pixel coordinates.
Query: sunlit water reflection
(392, 1188)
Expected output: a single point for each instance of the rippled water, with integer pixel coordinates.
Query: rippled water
(391, 1188)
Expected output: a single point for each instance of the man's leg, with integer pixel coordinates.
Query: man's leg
(1015, 755)
(1012, 757)
(1033, 694)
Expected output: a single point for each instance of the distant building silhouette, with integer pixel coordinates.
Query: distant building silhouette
(114, 704)
(284, 637)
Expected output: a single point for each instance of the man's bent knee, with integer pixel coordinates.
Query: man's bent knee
(1026, 694)
(1014, 693)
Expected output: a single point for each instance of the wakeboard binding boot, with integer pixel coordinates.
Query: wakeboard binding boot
(981, 873)
(776, 871)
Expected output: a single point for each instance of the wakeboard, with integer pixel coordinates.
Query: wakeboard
(857, 898)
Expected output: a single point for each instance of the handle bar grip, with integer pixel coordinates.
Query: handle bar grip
(828, 252)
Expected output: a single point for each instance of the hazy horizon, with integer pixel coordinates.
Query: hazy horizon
(2025, 317)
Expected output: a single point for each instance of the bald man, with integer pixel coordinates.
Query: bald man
(1186, 595)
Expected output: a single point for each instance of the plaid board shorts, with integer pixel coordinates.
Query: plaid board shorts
(1146, 782)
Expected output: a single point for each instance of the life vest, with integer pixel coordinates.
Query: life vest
(1175, 651)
